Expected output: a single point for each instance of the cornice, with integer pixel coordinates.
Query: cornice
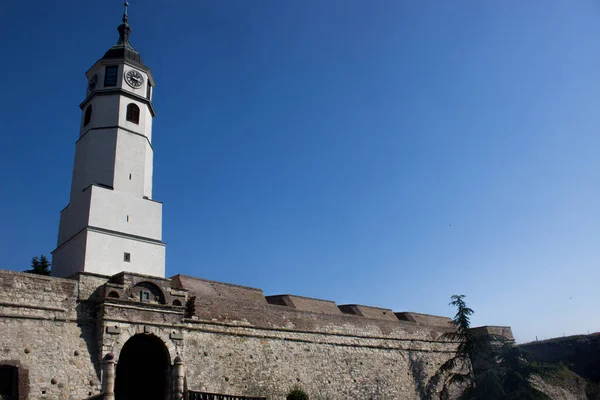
(118, 91)
(115, 127)
(110, 232)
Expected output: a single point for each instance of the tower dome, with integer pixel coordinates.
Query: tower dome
(123, 49)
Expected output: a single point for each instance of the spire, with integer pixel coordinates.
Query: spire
(124, 29)
(123, 49)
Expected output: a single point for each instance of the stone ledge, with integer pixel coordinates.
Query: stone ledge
(36, 276)
(44, 308)
(40, 318)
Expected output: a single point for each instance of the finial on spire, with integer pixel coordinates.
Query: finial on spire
(125, 12)
(124, 29)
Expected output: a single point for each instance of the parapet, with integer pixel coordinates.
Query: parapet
(226, 291)
(497, 331)
(305, 304)
(219, 302)
(424, 319)
(368, 312)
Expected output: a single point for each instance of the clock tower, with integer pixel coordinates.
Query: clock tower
(111, 223)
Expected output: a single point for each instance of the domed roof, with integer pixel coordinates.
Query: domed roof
(123, 49)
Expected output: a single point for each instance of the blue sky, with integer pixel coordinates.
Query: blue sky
(387, 153)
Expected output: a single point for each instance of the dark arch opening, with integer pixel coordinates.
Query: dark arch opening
(113, 294)
(9, 382)
(143, 369)
(177, 303)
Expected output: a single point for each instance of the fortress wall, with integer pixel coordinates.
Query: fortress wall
(277, 316)
(263, 362)
(54, 357)
(233, 304)
(88, 284)
(40, 334)
(238, 342)
(238, 346)
(234, 341)
(36, 295)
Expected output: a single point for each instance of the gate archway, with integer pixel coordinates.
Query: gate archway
(143, 369)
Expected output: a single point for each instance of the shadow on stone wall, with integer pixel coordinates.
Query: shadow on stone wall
(426, 386)
(87, 324)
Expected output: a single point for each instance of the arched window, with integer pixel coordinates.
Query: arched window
(88, 115)
(133, 113)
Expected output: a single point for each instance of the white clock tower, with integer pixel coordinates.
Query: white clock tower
(112, 224)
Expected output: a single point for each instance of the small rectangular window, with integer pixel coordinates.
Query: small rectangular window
(128, 218)
(145, 296)
(129, 176)
(127, 257)
(110, 75)
(148, 90)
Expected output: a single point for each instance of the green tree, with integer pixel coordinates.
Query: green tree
(457, 371)
(517, 371)
(39, 265)
(487, 367)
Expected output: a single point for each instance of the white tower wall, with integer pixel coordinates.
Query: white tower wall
(111, 223)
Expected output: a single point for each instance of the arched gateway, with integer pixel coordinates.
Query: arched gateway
(143, 369)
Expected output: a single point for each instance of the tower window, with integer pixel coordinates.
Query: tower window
(110, 75)
(148, 90)
(127, 257)
(88, 115)
(133, 113)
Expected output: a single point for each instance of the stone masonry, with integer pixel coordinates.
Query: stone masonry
(66, 337)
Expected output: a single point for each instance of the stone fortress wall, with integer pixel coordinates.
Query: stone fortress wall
(260, 345)
(48, 335)
(231, 339)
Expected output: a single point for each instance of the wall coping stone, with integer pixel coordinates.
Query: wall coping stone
(36, 276)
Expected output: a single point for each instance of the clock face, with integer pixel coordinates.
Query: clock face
(93, 81)
(134, 78)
